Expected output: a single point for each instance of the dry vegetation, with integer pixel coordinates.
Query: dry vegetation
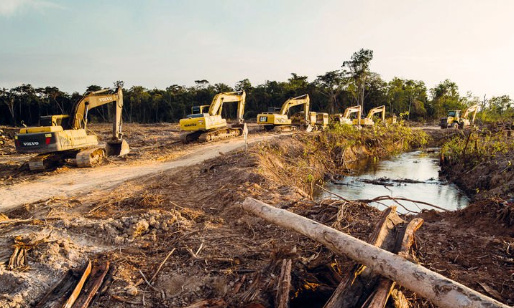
(186, 233)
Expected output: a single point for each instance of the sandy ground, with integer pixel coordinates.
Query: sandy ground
(84, 180)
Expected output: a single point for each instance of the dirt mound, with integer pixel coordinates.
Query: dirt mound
(472, 246)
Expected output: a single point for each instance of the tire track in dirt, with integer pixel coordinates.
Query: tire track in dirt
(80, 181)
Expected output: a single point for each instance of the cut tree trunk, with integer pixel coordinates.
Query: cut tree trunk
(361, 286)
(432, 286)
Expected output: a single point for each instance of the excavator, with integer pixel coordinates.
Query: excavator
(279, 121)
(454, 118)
(210, 126)
(368, 120)
(345, 117)
(64, 136)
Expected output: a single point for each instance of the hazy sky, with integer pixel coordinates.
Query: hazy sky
(72, 44)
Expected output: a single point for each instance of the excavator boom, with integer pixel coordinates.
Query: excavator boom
(368, 121)
(296, 101)
(228, 97)
(473, 110)
(348, 111)
(372, 112)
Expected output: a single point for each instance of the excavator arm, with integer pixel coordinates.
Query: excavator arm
(372, 112)
(228, 97)
(473, 110)
(296, 101)
(115, 146)
(96, 99)
(348, 111)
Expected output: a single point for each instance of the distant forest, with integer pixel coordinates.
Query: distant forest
(352, 84)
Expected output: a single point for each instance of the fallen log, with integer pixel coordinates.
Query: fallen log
(432, 286)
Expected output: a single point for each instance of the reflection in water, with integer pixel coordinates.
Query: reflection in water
(417, 166)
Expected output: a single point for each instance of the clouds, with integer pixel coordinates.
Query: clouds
(11, 7)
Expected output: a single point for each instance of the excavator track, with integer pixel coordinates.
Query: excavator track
(210, 136)
(44, 161)
(284, 128)
(219, 134)
(90, 157)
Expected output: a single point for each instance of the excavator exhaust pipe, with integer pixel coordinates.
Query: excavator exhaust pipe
(117, 148)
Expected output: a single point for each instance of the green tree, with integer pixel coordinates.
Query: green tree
(445, 96)
(358, 71)
(330, 85)
(499, 104)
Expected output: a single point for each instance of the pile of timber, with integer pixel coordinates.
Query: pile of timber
(381, 264)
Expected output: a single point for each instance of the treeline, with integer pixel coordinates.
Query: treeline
(332, 92)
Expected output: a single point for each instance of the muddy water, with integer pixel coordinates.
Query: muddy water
(412, 175)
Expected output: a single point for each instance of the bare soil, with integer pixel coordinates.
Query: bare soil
(216, 250)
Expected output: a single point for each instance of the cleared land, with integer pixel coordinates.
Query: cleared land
(189, 220)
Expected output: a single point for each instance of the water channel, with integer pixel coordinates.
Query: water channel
(412, 175)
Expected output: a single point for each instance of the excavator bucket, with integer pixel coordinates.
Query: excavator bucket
(117, 148)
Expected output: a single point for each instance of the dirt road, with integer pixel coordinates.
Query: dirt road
(81, 181)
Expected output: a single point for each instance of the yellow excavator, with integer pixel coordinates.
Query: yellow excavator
(454, 118)
(280, 121)
(64, 136)
(211, 126)
(368, 120)
(345, 118)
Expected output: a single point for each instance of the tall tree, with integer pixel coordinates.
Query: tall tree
(331, 85)
(357, 69)
(445, 96)
(7, 97)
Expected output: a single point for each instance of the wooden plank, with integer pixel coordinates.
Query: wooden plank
(57, 295)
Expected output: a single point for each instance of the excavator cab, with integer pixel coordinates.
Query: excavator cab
(199, 109)
(55, 120)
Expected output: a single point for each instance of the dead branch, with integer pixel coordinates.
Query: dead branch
(283, 285)
(382, 198)
(162, 263)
